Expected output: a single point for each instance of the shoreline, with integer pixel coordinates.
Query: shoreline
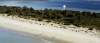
(39, 36)
(31, 34)
(51, 40)
(49, 31)
(75, 9)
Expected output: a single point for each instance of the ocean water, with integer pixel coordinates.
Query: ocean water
(81, 5)
(7, 36)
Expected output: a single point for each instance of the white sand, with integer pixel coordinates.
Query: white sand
(49, 31)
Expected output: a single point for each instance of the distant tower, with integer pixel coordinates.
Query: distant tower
(64, 7)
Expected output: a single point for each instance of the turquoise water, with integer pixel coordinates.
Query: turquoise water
(7, 36)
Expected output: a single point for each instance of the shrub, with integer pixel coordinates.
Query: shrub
(66, 24)
(40, 19)
(48, 21)
(51, 24)
(78, 25)
(90, 28)
(8, 15)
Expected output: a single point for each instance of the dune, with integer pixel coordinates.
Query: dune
(68, 33)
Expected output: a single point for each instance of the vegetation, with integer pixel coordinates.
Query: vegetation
(40, 19)
(67, 17)
(90, 29)
(48, 21)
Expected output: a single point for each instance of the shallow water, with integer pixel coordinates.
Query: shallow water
(7, 36)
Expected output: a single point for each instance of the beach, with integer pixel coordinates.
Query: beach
(49, 32)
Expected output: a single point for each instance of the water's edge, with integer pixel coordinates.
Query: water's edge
(13, 36)
(39, 37)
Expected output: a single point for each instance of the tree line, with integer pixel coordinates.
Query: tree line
(67, 17)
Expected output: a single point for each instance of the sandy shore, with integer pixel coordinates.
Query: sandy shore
(50, 32)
